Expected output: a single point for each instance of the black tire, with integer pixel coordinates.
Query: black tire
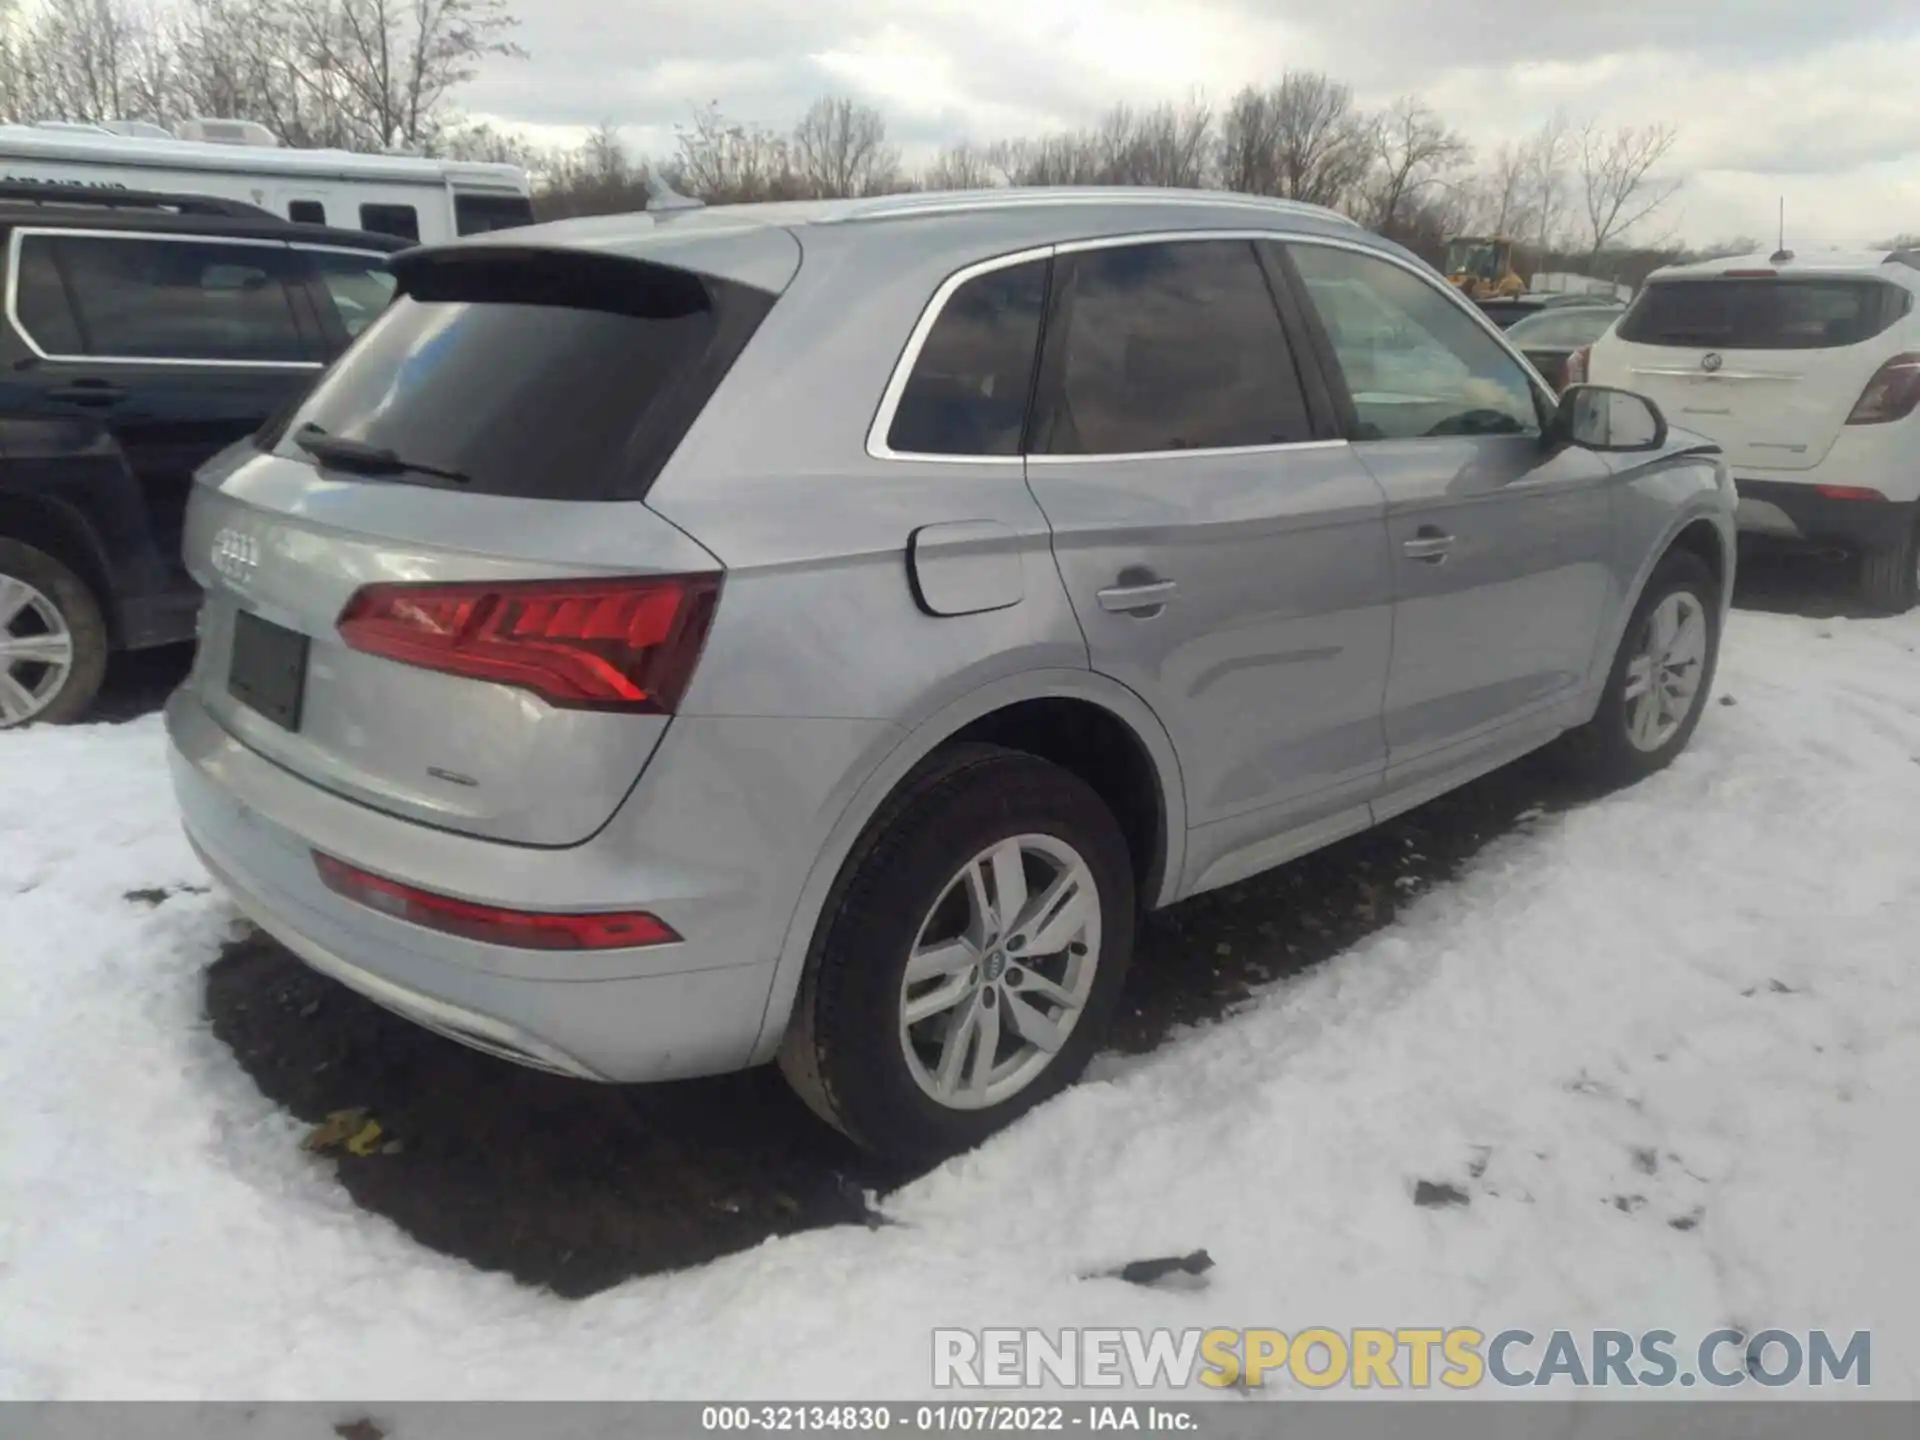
(1601, 751)
(843, 1052)
(1890, 577)
(80, 610)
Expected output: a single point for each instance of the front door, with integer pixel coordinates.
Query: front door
(1226, 558)
(1501, 543)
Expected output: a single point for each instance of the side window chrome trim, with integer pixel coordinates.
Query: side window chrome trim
(19, 236)
(1543, 391)
(877, 447)
(1287, 447)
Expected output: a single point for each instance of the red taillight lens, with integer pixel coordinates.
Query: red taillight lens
(1891, 394)
(1847, 492)
(525, 929)
(618, 644)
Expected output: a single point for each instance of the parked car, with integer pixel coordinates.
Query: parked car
(667, 644)
(1509, 310)
(144, 332)
(1807, 370)
(1550, 338)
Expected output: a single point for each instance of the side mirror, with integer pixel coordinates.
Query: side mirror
(1598, 417)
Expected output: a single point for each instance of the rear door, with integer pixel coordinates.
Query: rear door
(1501, 546)
(1226, 558)
(1768, 365)
(171, 346)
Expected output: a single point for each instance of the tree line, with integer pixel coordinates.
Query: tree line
(380, 75)
(1565, 190)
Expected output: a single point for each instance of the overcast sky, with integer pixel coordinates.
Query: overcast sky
(1816, 100)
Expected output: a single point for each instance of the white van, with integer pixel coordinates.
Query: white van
(427, 200)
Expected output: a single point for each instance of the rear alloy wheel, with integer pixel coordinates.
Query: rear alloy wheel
(53, 640)
(1660, 677)
(972, 960)
(1890, 578)
(1000, 972)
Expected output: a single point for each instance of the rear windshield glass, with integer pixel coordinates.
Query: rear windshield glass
(1762, 314)
(547, 376)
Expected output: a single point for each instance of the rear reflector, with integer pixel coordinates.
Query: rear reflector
(523, 929)
(1847, 492)
(1891, 394)
(612, 644)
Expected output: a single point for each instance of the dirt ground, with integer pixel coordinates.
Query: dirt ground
(577, 1187)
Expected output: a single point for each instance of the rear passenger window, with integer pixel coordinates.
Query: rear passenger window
(1416, 363)
(968, 391)
(358, 285)
(1168, 347)
(1762, 314)
(116, 297)
(401, 220)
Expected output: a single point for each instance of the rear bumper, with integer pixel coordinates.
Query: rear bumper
(1795, 512)
(658, 1013)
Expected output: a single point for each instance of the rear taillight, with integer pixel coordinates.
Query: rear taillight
(524, 929)
(1891, 394)
(1848, 492)
(614, 644)
(1577, 366)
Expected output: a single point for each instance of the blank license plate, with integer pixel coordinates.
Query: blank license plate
(268, 669)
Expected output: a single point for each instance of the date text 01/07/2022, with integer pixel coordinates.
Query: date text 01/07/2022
(943, 1418)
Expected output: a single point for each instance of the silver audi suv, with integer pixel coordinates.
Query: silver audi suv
(667, 643)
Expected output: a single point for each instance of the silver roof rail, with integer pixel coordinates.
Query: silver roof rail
(1015, 197)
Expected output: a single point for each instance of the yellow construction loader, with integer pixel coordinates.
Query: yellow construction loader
(1482, 266)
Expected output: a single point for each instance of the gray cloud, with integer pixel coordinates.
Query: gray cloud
(1766, 88)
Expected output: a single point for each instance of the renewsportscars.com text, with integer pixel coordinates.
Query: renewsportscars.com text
(1461, 1358)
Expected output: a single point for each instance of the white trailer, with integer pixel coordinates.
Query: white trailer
(420, 199)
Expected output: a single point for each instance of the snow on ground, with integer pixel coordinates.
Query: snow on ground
(1692, 1001)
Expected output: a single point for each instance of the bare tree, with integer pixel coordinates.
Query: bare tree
(1548, 154)
(721, 160)
(73, 59)
(1167, 145)
(398, 60)
(1301, 140)
(840, 149)
(962, 166)
(1413, 151)
(1618, 187)
(1499, 195)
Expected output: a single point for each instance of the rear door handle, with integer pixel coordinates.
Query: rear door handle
(1429, 545)
(88, 392)
(1129, 599)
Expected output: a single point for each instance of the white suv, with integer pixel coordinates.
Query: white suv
(1807, 371)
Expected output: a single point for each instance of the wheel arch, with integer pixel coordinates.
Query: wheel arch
(1043, 713)
(1698, 520)
(61, 531)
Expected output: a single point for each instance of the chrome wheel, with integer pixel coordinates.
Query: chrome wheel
(36, 651)
(1001, 971)
(1663, 678)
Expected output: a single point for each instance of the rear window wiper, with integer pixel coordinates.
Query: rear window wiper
(365, 459)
